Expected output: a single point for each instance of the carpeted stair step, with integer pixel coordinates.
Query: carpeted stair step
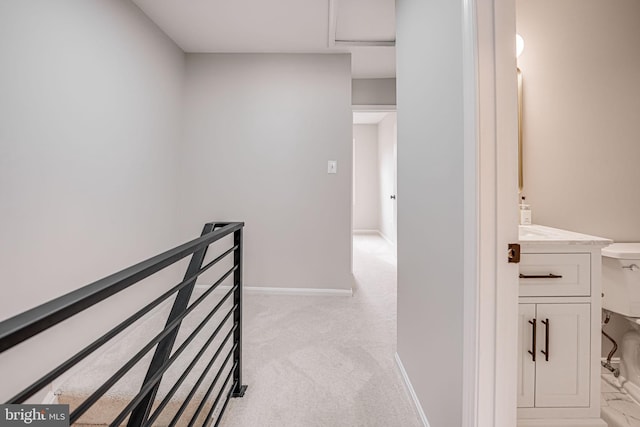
(98, 368)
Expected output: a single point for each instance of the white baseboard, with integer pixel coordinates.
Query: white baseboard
(375, 232)
(290, 291)
(299, 291)
(412, 392)
(365, 231)
(373, 107)
(384, 236)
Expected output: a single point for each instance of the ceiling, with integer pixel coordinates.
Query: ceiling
(368, 118)
(366, 28)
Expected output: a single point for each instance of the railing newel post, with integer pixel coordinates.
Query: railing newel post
(239, 389)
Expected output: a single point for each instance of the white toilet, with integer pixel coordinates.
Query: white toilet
(621, 288)
(630, 357)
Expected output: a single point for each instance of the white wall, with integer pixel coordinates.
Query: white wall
(366, 199)
(430, 203)
(90, 105)
(373, 92)
(260, 130)
(386, 161)
(580, 66)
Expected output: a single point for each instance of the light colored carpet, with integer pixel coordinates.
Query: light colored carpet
(326, 361)
(308, 361)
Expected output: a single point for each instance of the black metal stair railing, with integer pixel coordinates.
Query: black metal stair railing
(138, 411)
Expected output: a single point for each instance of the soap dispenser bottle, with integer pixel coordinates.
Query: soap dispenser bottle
(525, 212)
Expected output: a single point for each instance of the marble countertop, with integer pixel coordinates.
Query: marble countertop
(542, 235)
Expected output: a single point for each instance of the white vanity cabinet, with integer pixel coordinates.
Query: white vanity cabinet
(559, 328)
(554, 359)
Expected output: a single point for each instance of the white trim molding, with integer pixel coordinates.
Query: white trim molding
(299, 291)
(377, 233)
(497, 292)
(366, 231)
(363, 108)
(329, 292)
(364, 43)
(412, 392)
(384, 236)
(332, 28)
(470, 353)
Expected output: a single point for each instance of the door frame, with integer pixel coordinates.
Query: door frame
(374, 108)
(490, 199)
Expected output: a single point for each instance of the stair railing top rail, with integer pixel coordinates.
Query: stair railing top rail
(25, 325)
(138, 412)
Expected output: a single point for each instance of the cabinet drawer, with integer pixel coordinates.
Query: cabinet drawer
(555, 275)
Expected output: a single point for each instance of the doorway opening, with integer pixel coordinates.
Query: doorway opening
(374, 193)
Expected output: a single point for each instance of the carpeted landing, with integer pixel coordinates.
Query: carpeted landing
(326, 361)
(308, 360)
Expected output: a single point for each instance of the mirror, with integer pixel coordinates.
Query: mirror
(519, 50)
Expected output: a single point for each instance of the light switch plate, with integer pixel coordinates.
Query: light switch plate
(332, 167)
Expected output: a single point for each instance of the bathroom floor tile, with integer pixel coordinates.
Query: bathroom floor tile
(620, 410)
(608, 388)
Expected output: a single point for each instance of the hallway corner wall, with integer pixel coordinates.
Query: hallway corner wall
(431, 218)
(260, 130)
(91, 96)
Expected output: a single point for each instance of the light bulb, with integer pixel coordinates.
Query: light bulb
(519, 45)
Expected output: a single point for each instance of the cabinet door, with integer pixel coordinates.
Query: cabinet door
(526, 365)
(564, 334)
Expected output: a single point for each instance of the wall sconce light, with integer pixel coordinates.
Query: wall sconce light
(519, 45)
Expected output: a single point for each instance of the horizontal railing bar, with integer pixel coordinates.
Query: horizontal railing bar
(215, 402)
(69, 363)
(84, 406)
(209, 265)
(226, 402)
(157, 376)
(184, 375)
(194, 389)
(163, 350)
(25, 325)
